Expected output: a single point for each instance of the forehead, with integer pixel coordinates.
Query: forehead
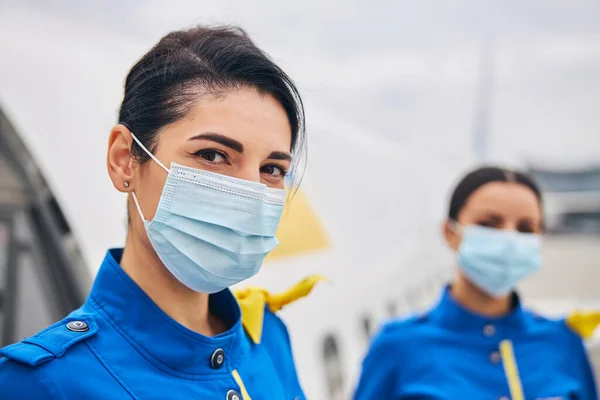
(254, 119)
(506, 198)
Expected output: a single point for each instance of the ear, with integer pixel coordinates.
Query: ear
(452, 238)
(120, 162)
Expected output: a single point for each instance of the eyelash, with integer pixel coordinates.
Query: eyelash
(204, 152)
(281, 169)
(524, 228)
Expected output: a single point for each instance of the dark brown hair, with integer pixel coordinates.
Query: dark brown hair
(479, 177)
(163, 86)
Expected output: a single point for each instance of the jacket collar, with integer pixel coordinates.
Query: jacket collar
(152, 332)
(449, 313)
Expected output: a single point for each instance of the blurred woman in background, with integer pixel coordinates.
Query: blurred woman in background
(207, 130)
(478, 342)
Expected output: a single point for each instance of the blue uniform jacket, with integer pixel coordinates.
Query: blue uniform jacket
(451, 353)
(120, 345)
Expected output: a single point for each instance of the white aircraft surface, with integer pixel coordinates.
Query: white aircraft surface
(367, 214)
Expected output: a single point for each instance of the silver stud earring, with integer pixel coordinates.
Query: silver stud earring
(126, 184)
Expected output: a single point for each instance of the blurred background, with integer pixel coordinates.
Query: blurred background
(402, 98)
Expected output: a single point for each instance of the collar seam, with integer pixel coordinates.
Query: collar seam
(447, 310)
(110, 371)
(160, 313)
(236, 362)
(149, 357)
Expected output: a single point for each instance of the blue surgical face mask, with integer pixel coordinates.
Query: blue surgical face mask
(496, 260)
(212, 231)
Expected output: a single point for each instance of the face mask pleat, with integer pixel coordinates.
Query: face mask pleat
(497, 260)
(212, 231)
(179, 254)
(233, 220)
(218, 208)
(230, 185)
(484, 262)
(485, 281)
(216, 236)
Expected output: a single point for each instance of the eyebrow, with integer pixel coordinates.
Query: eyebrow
(222, 139)
(280, 155)
(487, 212)
(237, 146)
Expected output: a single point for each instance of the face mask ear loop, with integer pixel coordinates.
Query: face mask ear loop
(156, 160)
(455, 227)
(152, 156)
(137, 205)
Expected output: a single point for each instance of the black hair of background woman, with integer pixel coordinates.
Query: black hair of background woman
(481, 176)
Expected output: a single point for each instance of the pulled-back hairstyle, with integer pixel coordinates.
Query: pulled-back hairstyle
(164, 85)
(479, 177)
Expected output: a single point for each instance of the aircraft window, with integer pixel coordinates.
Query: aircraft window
(411, 299)
(367, 326)
(333, 368)
(392, 309)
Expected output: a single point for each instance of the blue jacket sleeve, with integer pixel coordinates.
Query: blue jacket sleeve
(277, 340)
(18, 382)
(378, 378)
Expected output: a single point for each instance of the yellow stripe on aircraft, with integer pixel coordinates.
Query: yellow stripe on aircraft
(300, 230)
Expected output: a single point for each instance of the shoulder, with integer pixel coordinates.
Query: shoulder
(570, 330)
(397, 337)
(267, 330)
(276, 340)
(385, 357)
(274, 326)
(53, 342)
(17, 381)
(567, 336)
(30, 366)
(540, 323)
(404, 326)
(259, 306)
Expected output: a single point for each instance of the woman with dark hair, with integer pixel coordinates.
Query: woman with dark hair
(207, 132)
(478, 342)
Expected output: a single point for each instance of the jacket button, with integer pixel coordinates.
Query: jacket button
(489, 330)
(495, 357)
(233, 395)
(217, 359)
(78, 326)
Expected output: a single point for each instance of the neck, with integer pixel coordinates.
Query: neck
(476, 300)
(189, 308)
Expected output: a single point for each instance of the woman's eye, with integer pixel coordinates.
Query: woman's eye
(273, 170)
(525, 228)
(487, 224)
(212, 156)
